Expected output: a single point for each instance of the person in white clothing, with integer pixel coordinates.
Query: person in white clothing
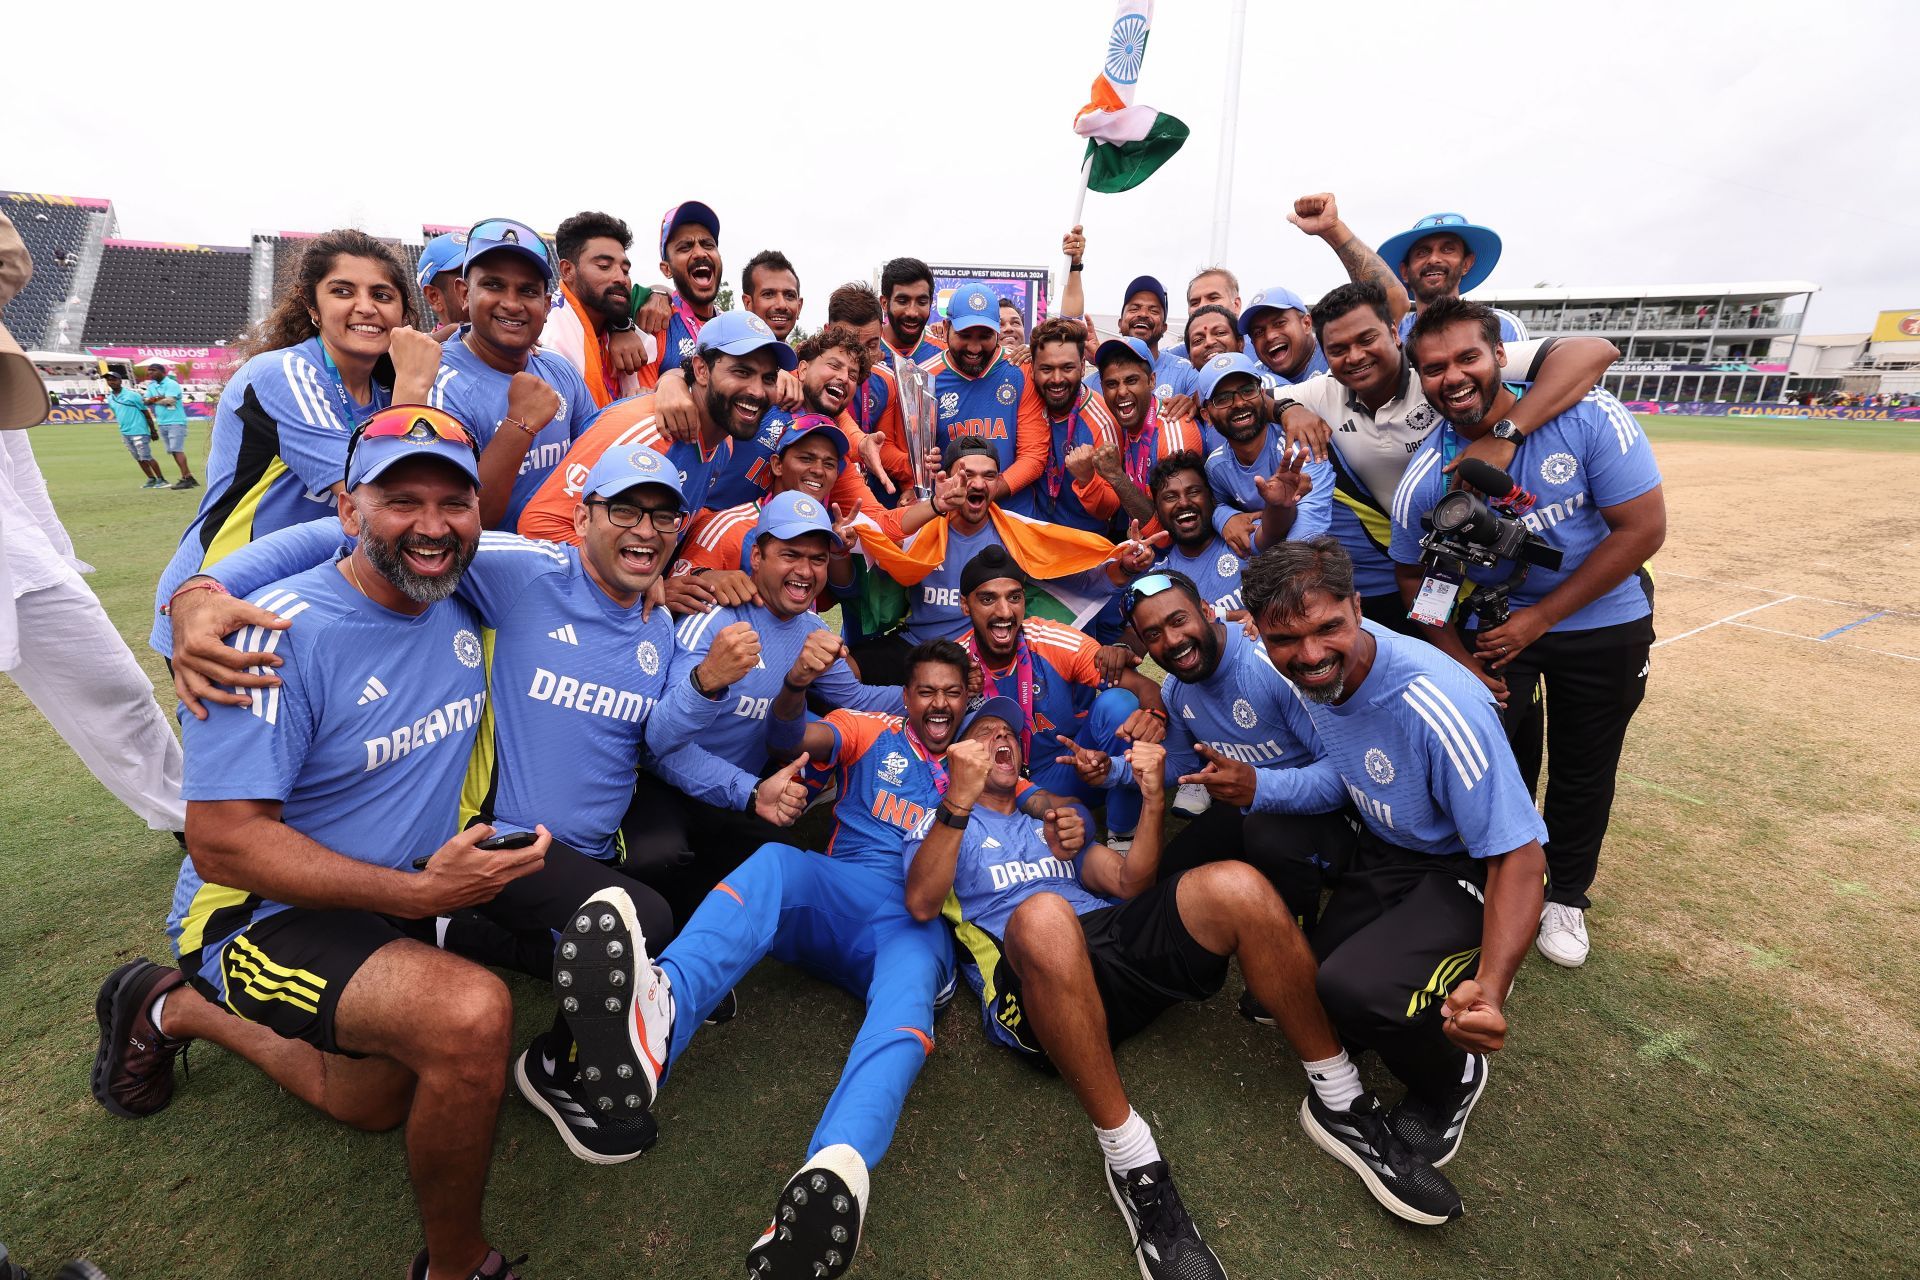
(104, 707)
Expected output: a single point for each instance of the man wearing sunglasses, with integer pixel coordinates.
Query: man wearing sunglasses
(1265, 488)
(524, 404)
(319, 855)
(583, 691)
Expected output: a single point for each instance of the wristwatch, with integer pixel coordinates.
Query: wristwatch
(1505, 430)
(948, 818)
(711, 695)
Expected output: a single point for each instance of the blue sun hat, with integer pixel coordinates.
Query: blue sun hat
(1482, 242)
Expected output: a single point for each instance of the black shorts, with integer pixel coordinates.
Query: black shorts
(286, 972)
(1144, 963)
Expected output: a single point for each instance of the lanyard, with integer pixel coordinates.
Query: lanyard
(688, 320)
(1056, 475)
(1025, 685)
(934, 765)
(1140, 449)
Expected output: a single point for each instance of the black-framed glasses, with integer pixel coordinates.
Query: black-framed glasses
(624, 515)
(1144, 588)
(1249, 394)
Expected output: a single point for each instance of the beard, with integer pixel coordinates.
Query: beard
(387, 559)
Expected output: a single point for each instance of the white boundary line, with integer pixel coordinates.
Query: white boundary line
(1795, 635)
(1748, 586)
(1722, 621)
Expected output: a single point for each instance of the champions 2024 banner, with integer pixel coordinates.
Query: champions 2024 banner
(1833, 413)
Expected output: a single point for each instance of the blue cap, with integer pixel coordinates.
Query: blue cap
(506, 234)
(1145, 284)
(1220, 368)
(1482, 242)
(792, 515)
(442, 254)
(373, 455)
(625, 466)
(807, 424)
(684, 212)
(1275, 298)
(1123, 349)
(999, 707)
(973, 306)
(741, 333)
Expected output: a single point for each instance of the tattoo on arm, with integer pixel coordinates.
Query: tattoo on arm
(1362, 263)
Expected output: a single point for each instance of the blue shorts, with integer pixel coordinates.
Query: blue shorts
(175, 436)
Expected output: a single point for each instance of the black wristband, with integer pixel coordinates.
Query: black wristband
(948, 818)
(788, 684)
(1076, 266)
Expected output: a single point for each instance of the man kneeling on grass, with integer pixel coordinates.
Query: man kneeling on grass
(1073, 948)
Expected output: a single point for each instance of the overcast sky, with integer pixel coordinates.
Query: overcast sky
(1626, 143)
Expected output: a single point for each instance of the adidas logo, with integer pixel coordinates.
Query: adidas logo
(564, 635)
(1186, 712)
(373, 692)
(989, 843)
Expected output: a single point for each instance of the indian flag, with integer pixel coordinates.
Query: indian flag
(1125, 143)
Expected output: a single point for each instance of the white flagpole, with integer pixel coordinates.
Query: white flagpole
(1079, 207)
(1230, 117)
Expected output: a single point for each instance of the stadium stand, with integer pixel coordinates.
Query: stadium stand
(57, 231)
(168, 294)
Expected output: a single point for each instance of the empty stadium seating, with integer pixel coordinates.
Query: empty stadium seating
(55, 230)
(168, 294)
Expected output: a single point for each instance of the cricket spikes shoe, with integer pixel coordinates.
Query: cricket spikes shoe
(816, 1224)
(550, 1081)
(1360, 1138)
(618, 1005)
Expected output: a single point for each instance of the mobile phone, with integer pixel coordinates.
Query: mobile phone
(493, 844)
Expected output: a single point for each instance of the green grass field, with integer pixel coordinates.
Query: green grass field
(1727, 1089)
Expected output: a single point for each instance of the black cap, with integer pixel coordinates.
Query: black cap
(962, 446)
(988, 563)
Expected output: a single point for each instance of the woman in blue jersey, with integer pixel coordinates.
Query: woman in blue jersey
(337, 346)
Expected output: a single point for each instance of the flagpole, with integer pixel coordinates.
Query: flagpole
(1079, 207)
(1230, 117)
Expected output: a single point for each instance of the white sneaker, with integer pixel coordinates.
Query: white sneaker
(617, 1003)
(1191, 800)
(1121, 842)
(816, 1224)
(1563, 935)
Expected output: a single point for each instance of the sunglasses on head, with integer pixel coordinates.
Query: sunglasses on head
(1144, 588)
(508, 231)
(403, 420)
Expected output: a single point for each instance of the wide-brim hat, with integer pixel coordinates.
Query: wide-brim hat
(1482, 242)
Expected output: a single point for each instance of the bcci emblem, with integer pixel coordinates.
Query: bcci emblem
(756, 324)
(1227, 565)
(805, 508)
(466, 647)
(1243, 714)
(977, 302)
(1223, 360)
(893, 769)
(1004, 394)
(1558, 468)
(1379, 768)
(644, 460)
(648, 657)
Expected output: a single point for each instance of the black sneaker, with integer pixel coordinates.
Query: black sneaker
(184, 482)
(1253, 1011)
(816, 1224)
(617, 1004)
(133, 1068)
(548, 1079)
(1165, 1242)
(1433, 1129)
(495, 1266)
(1359, 1138)
(78, 1269)
(726, 1011)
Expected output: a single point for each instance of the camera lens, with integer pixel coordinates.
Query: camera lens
(1455, 513)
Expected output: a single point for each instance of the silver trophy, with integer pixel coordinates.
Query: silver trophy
(917, 420)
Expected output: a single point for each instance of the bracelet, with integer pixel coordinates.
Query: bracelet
(1077, 266)
(515, 422)
(1159, 715)
(787, 684)
(166, 610)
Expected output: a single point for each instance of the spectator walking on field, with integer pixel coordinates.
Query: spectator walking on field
(136, 428)
(169, 405)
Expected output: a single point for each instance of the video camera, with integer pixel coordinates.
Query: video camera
(1464, 528)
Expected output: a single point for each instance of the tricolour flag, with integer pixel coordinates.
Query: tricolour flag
(1125, 143)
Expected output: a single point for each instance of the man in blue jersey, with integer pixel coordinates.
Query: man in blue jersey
(978, 393)
(1183, 503)
(524, 404)
(1578, 636)
(1145, 430)
(1443, 256)
(1074, 948)
(1070, 490)
(1265, 488)
(1143, 315)
(168, 402)
(690, 260)
(906, 290)
(437, 273)
(1374, 415)
(320, 841)
(1276, 324)
(1432, 915)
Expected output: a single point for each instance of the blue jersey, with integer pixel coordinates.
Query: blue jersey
(987, 407)
(1234, 490)
(926, 351)
(747, 473)
(934, 611)
(887, 785)
(738, 733)
(1215, 569)
(1055, 496)
(1419, 750)
(1272, 378)
(130, 411)
(1172, 375)
(168, 388)
(1592, 456)
(363, 744)
(279, 446)
(476, 393)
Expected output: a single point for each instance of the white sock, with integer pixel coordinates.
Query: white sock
(153, 1014)
(1466, 1072)
(1335, 1080)
(1129, 1146)
(440, 923)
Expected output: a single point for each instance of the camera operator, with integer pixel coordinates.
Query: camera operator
(1578, 634)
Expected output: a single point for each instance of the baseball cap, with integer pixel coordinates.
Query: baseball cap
(504, 233)
(405, 431)
(1220, 368)
(443, 253)
(1122, 349)
(684, 212)
(151, 361)
(1275, 298)
(965, 446)
(1145, 284)
(999, 707)
(793, 514)
(973, 306)
(807, 424)
(741, 333)
(620, 469)
(988, 563)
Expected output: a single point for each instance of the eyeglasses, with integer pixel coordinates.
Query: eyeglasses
(1249, 394)
(624, 515)
(403, 421)
(1145, 588)
(508, 231)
